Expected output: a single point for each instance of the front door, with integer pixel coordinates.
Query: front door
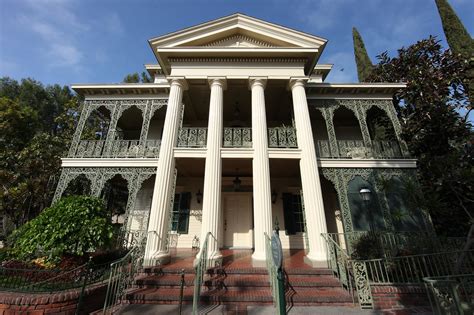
(238, 231)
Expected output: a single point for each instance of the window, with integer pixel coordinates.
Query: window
(293, 213)
(180, 215)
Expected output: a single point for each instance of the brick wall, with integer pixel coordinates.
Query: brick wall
(64, 302)
(400, 299)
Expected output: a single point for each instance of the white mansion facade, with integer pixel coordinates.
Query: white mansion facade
(239, 133)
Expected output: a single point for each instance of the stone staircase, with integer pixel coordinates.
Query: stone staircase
(239, 286)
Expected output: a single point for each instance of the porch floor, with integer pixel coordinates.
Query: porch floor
(240, 259)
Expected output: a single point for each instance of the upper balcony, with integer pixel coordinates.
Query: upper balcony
(356, 129)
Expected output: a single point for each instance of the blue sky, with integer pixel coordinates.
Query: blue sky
(92, 41)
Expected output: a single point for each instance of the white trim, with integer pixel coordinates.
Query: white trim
(369, 163)
(350, 96)
(118, 85)
(358, 85)
(238, 153)
(199, 153)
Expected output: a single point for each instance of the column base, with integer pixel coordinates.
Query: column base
(319, 260)
(158, 258)
(259, 260)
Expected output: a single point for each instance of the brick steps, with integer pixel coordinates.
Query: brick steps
(239, 286)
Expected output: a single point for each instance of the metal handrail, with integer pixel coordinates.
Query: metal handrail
(200, 269)
(451, 294)
(339, 261)
(275, 273)
(122, 275)
(405, 270)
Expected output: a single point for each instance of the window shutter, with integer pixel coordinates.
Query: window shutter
(290, 225)
(184, 208)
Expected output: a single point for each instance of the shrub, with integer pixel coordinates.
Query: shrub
(73, 225)
(368, 246)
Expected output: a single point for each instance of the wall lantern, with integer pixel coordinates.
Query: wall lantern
(365, 194)
(274, 196)
(237, 182)
(199, 196)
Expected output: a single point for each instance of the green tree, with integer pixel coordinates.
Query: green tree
(73, 225)
(456, 34)
(436, 134)
(460, 42)
(137, 78)
(364, 65)
(36, 127)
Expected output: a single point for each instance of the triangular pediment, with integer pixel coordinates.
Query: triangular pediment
(238, 30)
(238, 40)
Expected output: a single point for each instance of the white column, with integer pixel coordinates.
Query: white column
(313, 198)
(156, 248)
(262, 203)
(211, 204)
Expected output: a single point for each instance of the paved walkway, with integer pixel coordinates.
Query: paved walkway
(144, 309)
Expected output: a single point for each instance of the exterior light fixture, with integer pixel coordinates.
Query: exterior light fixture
(237, 182)
(199, 196)
(365, 194)
(274, 196)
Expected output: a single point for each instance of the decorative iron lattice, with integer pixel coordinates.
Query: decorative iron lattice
(192, 137)
(98, 176)
(356, 149)
(362, 285)
(359, 107)
(282, 137)
(109, 146)
(340, 177)
(237, 137)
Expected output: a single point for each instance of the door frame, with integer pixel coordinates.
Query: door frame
(251, 230)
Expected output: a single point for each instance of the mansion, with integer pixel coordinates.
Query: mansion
(240, 134)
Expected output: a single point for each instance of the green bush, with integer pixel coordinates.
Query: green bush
(73, 225)
(368, 246)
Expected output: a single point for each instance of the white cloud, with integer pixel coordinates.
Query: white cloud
(113, 24)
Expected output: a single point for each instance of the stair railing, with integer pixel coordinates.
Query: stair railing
(338, 261)
(122, 275)
(274, 259)
(200, 269)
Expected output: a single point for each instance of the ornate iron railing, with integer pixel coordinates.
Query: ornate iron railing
(237, 137)
(40, 280)
(275, 271)
(338, 260)
(453, 295)
(192, 137)
(393, 242)
(356, 149)
(407, 269)
(282, 137)
(122, 274)
(200, 270)
(120, 149)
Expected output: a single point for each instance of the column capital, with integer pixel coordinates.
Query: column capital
(297, 81)
(179, 81)
(254, 81)
(222, 81)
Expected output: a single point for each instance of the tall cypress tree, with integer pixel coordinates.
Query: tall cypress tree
(457, 36)
(460, 42)
(364, 65)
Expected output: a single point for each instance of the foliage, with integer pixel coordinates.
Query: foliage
(457, 36)
(459, 41)
(137, 78)
(368, 246)
(36, 127)
(436, 134)
(364, 65)
(74, 225)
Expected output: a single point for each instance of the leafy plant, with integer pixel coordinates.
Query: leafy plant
(73, 225)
